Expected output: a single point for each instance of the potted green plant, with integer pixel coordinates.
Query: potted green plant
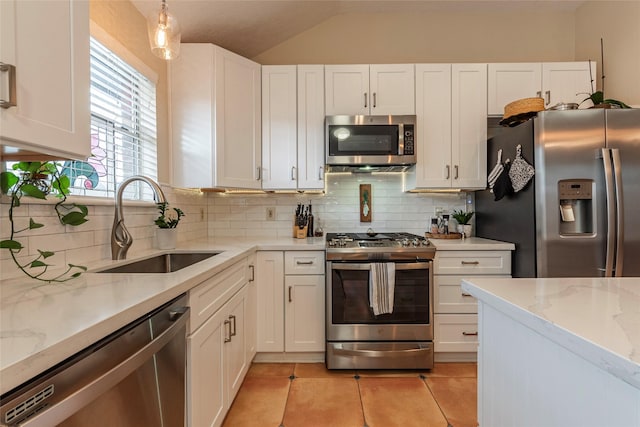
(463, 218)
(38, 180)
(166, 234)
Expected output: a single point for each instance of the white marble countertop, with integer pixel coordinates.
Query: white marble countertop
(43, 324)
(595, 318)
(471, 244)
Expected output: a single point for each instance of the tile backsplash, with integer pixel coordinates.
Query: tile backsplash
(222, 215)
(336, 210)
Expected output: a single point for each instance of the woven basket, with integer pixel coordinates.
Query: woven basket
(521, 110)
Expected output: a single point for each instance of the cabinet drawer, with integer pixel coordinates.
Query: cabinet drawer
(449, 297)
(471, 263)
(207, 298)
(304, 262)
(455, 332)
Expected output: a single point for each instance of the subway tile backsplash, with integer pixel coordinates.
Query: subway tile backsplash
(223, 215)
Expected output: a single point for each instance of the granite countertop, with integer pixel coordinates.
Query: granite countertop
(471, 244)
(43, 324)
(595, 318)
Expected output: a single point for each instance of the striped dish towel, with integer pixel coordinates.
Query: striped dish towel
(382, 282)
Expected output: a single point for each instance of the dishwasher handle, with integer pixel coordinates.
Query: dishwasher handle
(58, 412)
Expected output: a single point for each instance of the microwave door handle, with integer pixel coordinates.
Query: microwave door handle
(400, 139)
(617, 174)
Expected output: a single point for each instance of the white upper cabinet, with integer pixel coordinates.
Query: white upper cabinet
(216, 118)
(556, 82)
(451, 129)
(293, 127)
(44, 51)
(370, 89)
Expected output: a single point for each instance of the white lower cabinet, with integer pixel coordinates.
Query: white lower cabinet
(455, 312)
(217, 345)
(291, 290)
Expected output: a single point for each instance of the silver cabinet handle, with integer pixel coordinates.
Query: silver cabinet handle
(293, 173)
(547, 96)
(469, 334)
(11, 69)
(464, 294)
(470, 262)
(227, 337)
(539, 94)
(290, 296)
(320, 173)
(448, 168)
(253, 273)
(304, 262)
(455, 168)
(259, 173)
(374, 100)
(365, 100)
(233, 325)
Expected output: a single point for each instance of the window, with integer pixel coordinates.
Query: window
(123, 129)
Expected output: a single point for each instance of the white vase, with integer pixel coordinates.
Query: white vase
(467, 230)
(166, 238)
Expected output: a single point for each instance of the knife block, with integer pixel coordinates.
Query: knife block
(300, 233)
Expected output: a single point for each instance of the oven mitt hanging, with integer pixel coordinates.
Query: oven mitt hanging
(502, 186)
(521, 172)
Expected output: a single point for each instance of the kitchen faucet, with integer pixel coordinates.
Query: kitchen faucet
(121, 240)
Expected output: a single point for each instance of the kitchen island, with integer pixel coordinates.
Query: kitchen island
(558, 352)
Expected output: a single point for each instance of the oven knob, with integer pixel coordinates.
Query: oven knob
(416, 242)
(405, 242)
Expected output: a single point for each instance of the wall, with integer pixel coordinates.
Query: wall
(337, 210)
(509, 35)
(618, 24)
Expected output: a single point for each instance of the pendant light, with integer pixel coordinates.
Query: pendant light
(164, 33)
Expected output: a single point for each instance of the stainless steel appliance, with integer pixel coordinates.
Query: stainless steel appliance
(576, 218)
(383, 142)
(356, 337)
(134, 377)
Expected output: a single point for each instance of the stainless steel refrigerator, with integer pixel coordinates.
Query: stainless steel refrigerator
(579, 215)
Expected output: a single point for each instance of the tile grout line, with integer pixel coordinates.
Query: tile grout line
(291, 378)
(357, 378)
(424, 380)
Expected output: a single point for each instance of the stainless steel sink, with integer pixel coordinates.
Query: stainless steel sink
(164, 263)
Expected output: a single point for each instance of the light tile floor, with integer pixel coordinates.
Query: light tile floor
(308, 395)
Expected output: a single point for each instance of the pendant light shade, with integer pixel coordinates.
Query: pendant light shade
(164, 33)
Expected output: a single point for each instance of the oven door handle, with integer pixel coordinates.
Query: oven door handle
(410, 352)
(367, 266)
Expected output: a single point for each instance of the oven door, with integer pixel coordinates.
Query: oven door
(350, 317)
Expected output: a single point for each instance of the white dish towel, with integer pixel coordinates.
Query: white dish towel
(382, 283)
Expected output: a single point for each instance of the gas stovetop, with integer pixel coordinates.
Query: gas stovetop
(386, 245)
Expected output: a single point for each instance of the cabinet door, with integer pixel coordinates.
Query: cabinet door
(235, 356)
(311, 157)
(270, 272)
(347, 90)
(238, 122)
(433, 127)
(304, 313)
(48, 43)
(469, 126)
(567, 82)
(279, 157)
(510, 82)
(392, 88)
(206, 383)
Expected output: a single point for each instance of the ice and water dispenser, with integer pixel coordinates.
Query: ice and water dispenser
(576, 206)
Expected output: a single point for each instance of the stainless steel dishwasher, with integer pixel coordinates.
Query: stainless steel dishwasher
(133, 377)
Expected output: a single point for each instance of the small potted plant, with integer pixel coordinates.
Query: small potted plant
(167, 233)
(463, 218)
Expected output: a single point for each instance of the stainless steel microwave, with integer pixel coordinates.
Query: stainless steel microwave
(370, 140)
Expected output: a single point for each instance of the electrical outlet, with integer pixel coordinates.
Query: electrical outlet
(201, 214)
(271, 214)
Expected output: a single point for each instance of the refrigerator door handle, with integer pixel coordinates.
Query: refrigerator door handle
(608, 179)
(617, 173)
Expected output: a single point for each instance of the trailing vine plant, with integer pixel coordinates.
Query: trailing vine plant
(37, 180)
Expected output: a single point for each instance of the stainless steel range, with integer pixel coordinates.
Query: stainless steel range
(356, 337)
